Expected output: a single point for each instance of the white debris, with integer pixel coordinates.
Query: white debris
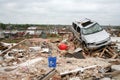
(115, 67)
(74, 78)
(36, 48)
(64, 41)
(8, 57)
(118, 45)
(7, 44)
(78, 69)
(18, 50)
(1, 58)
(115, 39)
(77, 50)
(30, 62)
(45, 50)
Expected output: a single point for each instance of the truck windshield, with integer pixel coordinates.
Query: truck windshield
(92, 29)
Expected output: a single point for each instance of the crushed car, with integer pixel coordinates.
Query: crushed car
(90, 33)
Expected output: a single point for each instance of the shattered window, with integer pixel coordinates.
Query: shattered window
(78, 29)
(86, 23)
(92, 29)
(74, 26)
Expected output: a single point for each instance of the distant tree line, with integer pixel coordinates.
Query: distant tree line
(18, 26)
(3, 26)
(25, 26)
(13, 26)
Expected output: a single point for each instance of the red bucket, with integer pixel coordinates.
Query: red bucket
(63, 46)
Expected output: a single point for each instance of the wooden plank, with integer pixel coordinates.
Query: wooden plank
(101, 54)
(49, 75)
(80, 69)
(3, 52)
(114, 56)
(112, 53)
(114, 73)
(109, 52)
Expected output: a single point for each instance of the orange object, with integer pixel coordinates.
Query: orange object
(62, 46)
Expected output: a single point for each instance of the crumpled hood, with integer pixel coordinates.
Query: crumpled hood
(96, 37)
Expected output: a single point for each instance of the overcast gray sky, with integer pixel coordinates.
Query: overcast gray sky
(59, 11)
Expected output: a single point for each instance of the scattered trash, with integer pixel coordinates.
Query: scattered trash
(34, 49)
(77, 50)
(50, 63)
(45, 50)
(78, 69)
(30, 62)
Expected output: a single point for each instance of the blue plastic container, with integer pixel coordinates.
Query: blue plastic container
(52, 62)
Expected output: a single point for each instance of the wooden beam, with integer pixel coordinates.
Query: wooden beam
(114, 73)
(101, 54)
(49, 75)
(109, 52)
(4, 52)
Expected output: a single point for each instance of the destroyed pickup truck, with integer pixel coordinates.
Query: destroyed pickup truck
(90, 33)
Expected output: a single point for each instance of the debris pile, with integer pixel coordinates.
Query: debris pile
(28, 60)
(108, 51)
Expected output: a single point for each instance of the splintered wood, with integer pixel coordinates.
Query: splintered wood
(107, 51)
(28, 60)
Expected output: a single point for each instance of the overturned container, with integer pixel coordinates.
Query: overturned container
(52, 62)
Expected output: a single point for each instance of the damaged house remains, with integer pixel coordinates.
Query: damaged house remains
(81, 51)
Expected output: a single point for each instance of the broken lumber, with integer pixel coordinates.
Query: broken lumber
(49, 75)
(102, 52)
(114, 73)
(2, 53)
(77, 70)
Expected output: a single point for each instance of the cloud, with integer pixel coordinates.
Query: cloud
(59, 11)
